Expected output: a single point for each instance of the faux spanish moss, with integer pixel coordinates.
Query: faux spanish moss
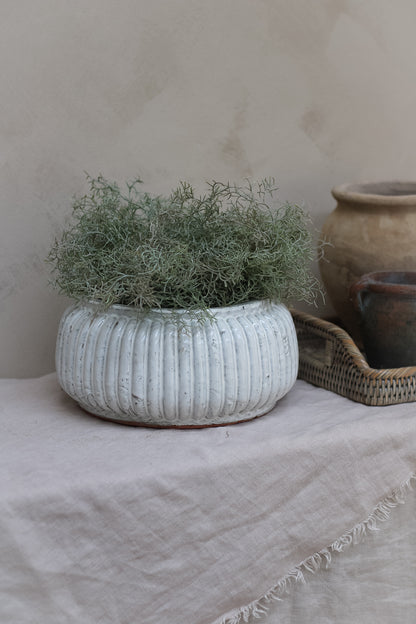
(229, 246)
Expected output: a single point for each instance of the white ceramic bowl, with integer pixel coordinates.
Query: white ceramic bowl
(144, 368)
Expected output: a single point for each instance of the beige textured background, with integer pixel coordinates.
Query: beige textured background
(314, 93)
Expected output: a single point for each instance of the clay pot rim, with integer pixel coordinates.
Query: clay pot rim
(375, 282)
(379, 193)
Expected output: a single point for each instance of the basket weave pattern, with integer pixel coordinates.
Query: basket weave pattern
(329, 358)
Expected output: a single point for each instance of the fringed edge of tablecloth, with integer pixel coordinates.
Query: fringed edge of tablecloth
(312, 564)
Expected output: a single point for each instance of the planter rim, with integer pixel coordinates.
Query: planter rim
(120, 308)
(383, 192)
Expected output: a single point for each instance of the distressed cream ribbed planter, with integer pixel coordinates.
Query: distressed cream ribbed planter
(147, 369)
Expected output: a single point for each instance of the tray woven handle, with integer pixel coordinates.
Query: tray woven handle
(329, 358)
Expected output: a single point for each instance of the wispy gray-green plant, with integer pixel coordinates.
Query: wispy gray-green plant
(232, 245)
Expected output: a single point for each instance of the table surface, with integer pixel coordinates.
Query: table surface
(100, 522)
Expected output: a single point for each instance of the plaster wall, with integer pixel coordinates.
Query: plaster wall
(312, 93)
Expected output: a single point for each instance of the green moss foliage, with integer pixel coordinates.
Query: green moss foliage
(229, 246)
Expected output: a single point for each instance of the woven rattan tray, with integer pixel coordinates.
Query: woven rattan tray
(329, 358)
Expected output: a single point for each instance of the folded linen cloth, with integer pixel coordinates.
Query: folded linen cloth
(104, 523)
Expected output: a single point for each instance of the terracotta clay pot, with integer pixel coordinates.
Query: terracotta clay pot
(386, 303)
(372, 228)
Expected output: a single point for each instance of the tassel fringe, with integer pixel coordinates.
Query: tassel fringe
(312, 564)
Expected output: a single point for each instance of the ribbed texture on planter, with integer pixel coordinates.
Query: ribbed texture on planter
(140, 368)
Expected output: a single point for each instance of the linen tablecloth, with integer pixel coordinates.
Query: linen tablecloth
(104, 523)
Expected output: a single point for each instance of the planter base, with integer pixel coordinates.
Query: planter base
(134, 423)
